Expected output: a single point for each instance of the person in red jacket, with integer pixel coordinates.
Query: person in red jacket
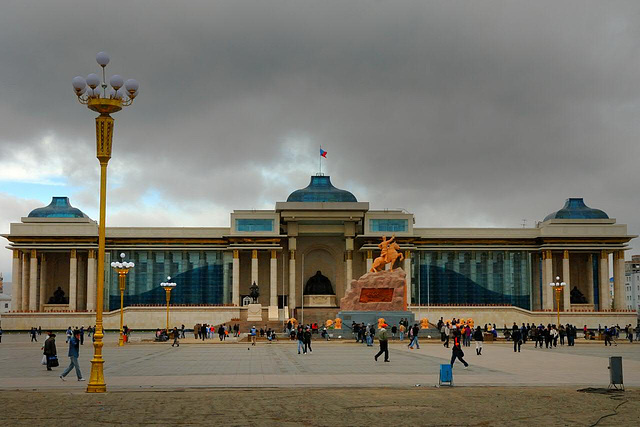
(456, 350)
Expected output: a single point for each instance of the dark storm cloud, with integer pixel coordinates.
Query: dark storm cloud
(466, 113)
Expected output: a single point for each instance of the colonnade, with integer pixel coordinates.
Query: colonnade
(30, 283)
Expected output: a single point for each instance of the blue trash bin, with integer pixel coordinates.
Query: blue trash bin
(446, 375)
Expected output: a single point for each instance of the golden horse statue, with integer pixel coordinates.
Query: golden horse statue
(389, 253)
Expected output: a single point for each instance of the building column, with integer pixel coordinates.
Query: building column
(16, 281)
(82, 284)
(590, 297)
(25, 283)
(618, 281)
(605, 296)
(73, 282)
(348, 263)
(547, 277)
(369, 260)
(91, 280)
(273, 282)
(42, 300)
(292, 280)
(407, 269)
(254, 267)
(33, 281)
(235, 279)
(566, 292)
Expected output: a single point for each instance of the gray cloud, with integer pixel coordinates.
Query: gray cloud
(465, 113)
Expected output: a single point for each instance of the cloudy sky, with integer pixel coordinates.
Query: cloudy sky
(466, 113)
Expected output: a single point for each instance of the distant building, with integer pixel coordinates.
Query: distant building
(632, 283)
(5, 299)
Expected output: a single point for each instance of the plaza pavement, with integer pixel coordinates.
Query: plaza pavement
(142, 365)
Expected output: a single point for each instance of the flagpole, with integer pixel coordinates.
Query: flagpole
(320, 162)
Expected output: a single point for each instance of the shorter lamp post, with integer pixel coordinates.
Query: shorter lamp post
(168, 286)
(558, 286)
(122, 268)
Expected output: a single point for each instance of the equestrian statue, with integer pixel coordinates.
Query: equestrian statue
(389, 253)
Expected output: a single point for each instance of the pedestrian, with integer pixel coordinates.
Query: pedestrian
(182, 331)
(630, 333)
(176, 335)
(607, 336)
(50, 351)
(253, 333)
(74, 353)
(0, 335)
(300, 337)
(221, 332)
(401, 330)
(516, 336)
(394, 330)
(82, 335)
(456, 350)
(69, 334)
(478, 337)
(383, 339)
(444, 332)
(307, 340)
(34, 332)
(415, 330)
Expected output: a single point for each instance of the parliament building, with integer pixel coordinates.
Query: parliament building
(305, 253)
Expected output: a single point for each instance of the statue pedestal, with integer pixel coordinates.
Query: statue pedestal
(273, 312)
(254, 312)
(320, 301)
(582, 307)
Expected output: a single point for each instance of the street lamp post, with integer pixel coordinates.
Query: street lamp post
(89, 93)
(558, 286)
(168, 286)
(122, 268)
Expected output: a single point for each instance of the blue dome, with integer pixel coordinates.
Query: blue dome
(320, 189)
(58, 208)
(575, 208)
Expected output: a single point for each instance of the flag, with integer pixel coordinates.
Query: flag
(323, 153)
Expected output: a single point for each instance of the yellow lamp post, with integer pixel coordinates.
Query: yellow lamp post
(121, 94)
(168, 286)
(122, 268)
(558, 286)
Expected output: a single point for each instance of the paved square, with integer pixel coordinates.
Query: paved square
(331, 364)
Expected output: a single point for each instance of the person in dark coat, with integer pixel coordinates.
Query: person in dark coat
(478, 337)
(307, 340)
(456, 350)
(516, 336)
(50, 350)
(34, 332)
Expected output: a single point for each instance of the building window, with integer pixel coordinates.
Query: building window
(253, 225)
(388, 225)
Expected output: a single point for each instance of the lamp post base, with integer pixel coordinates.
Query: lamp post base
(121, 340)
(96, 381)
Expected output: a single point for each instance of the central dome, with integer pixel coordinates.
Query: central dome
(320, 189)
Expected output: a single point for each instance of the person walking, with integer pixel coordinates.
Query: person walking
(0, 335)
(300, 337)
(253, 333)
(478, 337)
(175, 337)
(607, 336)
(50, 351)
(74, 353)
(34, 332)
(182, 331)
(307, 340)
(444, 333)
(383, 339)
(516, 336)
(401, 330)
(415, 330)
(456, 350)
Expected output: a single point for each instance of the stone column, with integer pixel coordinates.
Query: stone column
(273, 282)
(547, 277)
(82, 284)
(349, 268)
(566, 297)
(407, 269)
(25, 283)
(369, 260)
(590, 298)
(254, 267)
(292, 280)
(33, 281)
(91, 280)
(43, 282)
(605, 296)
(618, 281)
(235, 279)
(73, 283)
(16, 281)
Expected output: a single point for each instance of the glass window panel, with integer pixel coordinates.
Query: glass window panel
(253, 224)
(388, 225)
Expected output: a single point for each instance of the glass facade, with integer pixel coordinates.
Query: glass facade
(253, 224)
(202, 277)
(391, 225)
(475, 277)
